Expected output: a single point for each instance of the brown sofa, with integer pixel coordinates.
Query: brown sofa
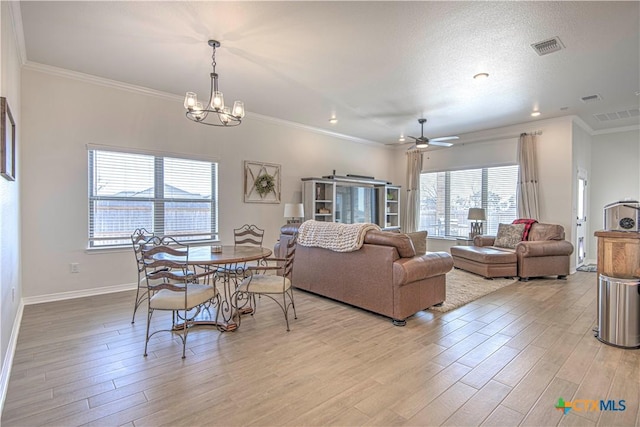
(384, 276)
(544, 253)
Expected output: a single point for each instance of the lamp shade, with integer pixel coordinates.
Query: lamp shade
(293, 210)
(476, 214)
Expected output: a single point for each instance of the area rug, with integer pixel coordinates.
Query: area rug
(591, 268)
(464, 287)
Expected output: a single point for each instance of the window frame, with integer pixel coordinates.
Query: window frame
(158, 201)
(484, 194)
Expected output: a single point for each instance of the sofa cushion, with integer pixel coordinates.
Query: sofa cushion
(419, 240)
(541, 231)
(400, 241)
(509, 235)
(484, 254)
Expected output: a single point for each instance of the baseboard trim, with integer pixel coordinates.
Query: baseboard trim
(11, 348)
(8, 359)
(78, 294)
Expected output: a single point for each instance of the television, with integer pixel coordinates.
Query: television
(356, 203)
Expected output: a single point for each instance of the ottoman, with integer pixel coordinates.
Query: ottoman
(487, 261)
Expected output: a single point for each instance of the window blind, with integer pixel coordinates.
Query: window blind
(445, 199)
(165, 195)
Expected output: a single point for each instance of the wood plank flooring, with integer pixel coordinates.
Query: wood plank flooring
(503, 360)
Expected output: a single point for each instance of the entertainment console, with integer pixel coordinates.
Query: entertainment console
(352, 199)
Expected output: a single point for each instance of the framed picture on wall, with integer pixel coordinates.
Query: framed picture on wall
(7, 141)
(261, 182)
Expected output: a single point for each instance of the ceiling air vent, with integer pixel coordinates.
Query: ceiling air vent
(624, 114)
(591, 98)
(547, 46)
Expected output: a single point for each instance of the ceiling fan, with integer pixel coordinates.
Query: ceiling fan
(424, 142)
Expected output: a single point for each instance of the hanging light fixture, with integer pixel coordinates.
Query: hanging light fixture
(220, 115)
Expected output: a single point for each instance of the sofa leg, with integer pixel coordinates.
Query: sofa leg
(438, 304)
(398, 322)
(562, 277)
(524, 279)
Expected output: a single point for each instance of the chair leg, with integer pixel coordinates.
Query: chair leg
(295, 316)
(140, 298)
(285, 309)
(185, 332)
(146, 342)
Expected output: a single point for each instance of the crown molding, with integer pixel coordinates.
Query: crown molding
(88, 78)
(616, 130)
(313, 129)
(101, 81)
(578, 121)
(18, 30)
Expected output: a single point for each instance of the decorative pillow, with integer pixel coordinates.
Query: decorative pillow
(509, 235)
(528, 223)
(419, 240)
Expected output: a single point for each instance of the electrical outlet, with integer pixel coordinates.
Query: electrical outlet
(74, 267)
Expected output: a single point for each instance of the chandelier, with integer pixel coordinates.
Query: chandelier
(215, 111)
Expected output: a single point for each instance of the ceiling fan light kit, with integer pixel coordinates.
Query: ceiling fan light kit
(220, 114)
(424, 142)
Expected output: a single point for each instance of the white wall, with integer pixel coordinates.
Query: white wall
(61, 115)
(615, 175)
(10, 289)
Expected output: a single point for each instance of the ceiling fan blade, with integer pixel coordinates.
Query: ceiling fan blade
(444, 138)
(440, 143)
(400, 144)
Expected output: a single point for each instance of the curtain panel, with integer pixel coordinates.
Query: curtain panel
(527, 189)
(411, 212)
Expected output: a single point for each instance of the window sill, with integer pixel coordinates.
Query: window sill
(127, 248)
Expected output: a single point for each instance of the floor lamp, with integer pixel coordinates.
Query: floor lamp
(476, 215)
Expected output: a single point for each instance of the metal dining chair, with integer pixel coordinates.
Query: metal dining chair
(259, 282)
(166, 264)
(139, 238)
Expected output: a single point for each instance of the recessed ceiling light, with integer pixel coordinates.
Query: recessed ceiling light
(481, 76)
(401, 139)
(535, 114)
(333, 120)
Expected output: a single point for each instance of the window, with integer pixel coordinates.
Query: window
(445, 199)
(165, 195)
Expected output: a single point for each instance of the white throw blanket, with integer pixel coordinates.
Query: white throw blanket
(332, 235)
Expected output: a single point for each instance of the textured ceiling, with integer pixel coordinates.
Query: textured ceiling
(377, 66)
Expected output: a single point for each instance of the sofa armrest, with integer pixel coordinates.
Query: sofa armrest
(543, 248)
(408, 270)
(484, 240)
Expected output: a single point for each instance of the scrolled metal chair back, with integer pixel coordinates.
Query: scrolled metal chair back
(250, 235)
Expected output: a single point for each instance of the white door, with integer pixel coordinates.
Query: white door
(581, 220)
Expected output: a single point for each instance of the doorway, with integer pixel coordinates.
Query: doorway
(581, 220)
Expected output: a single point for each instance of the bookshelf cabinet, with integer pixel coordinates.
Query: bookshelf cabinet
(318, 197)
(389, 196)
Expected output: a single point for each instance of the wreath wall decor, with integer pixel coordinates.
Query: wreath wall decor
(261, 182)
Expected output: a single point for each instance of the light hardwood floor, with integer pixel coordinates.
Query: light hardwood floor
(502, 360)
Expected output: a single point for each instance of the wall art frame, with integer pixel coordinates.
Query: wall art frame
(7, 141)
(261, 182)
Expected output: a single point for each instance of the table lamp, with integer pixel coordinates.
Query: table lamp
(477, 215)
(294, 212)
